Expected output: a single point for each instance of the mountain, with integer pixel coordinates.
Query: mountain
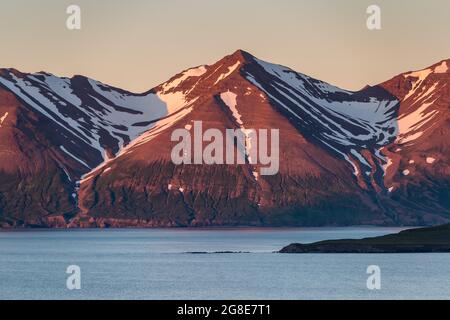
(53, 130)
(79, 153)
(431, 239)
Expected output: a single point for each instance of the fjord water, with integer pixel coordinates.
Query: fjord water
(160, 264)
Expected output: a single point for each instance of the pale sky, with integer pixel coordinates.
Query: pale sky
(138, 44)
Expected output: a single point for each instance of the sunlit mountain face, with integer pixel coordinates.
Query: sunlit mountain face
(75, 152)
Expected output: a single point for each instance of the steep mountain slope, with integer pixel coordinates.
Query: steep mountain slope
(93, 119)
(344, 157)
(33, 182)
(54, 130)
(419, 169)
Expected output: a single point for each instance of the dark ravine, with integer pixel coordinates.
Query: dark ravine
(422, 240)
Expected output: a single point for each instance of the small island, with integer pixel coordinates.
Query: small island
(420, 240)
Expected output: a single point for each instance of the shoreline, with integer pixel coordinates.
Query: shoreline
(218, 228)
(417, 240)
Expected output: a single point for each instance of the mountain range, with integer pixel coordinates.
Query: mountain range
(75, 152)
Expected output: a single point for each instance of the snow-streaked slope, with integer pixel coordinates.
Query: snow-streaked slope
(412, 125)
(174, 95)
(346, 119)
(190, 73)
(345, 122)
(103, 117)
(420, 115)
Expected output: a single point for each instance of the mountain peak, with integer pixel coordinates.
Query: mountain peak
(239, 55)
(242, 54)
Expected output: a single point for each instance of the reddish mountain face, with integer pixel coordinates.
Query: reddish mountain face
(418, 170)
(89, 155)
(52, 131)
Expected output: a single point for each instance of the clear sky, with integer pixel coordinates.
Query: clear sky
(137, 44)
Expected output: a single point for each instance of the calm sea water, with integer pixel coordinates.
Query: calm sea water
(155, 264)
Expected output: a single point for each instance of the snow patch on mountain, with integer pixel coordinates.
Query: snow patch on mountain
(298, 80)
(430, 160)
(160, 126)
(74, 157)
(147, 106)
(426, 95)
(360, 158)
(418, 78)
(230, 100)
(442, 68)
(173, 100)
(410, 125)
(230, 71)
(194, 72)
(386, 162)
(60, 88)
